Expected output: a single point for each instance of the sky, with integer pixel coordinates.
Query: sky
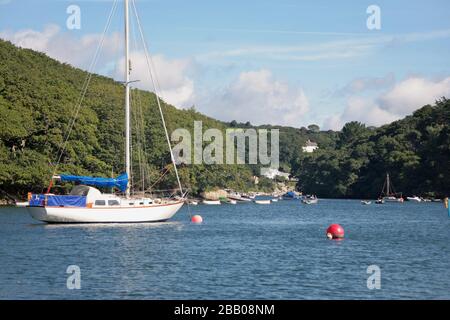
(280, 62)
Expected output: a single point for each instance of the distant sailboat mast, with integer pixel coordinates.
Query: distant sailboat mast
(388, 187)
(388, 193)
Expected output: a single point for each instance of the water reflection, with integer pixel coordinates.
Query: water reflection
(176, 225)
(245, 251)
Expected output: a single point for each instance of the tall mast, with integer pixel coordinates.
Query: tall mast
(127, 102)
(388, 190)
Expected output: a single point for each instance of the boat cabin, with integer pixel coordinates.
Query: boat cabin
(90, 197)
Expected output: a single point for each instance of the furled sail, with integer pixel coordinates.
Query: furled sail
(120, 182)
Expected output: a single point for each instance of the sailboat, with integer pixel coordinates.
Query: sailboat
(310, 199)
(414, 199)
(87, 204)
(388, 194)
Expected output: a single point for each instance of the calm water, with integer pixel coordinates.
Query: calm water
(246, 251)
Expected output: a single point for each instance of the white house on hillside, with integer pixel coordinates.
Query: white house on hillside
(309, 146)
(271, 173)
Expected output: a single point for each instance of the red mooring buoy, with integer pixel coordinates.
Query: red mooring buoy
(197, 219)
(335, 231)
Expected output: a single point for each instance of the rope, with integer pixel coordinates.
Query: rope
(159, 179)
(143, 140)
(8, 195)
(84, 90)
(149, 64)
(140, 152)
(140, 126)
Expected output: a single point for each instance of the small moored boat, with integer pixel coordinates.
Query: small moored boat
(414, 199)
(290, 195)
(22, 204)
(388, 194)
(192, 202)
(310, 200)
(211, 202)
(262, 201)
(237, 197)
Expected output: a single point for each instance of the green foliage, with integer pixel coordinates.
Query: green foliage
(314, 128)
(415, 151)
(38, 98)
(352, 131)
(292, 140)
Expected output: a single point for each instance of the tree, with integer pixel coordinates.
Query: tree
(352, 131)
(313, 128)
(414, 150)
(37, 101)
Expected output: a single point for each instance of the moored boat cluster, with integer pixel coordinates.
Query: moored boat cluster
(234, 197)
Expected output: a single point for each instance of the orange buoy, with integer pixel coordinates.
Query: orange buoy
(335, 231)
(197, 219)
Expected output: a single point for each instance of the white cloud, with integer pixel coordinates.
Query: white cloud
(32, 39)
(401, 100)
(308, 52)
(413, 93)
(367, 83)
(177, 88)
(360, 109)
(257, 97)
(172, 75)
(64, 46)
(362, 45)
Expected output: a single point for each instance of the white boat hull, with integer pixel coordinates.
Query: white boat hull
(211, 202)
(22, 204)
(152, 213)
(310, 201)
(391, 199)
(262, 201)
(239, 198)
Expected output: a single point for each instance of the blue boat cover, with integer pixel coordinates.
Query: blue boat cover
(66, 201)
(38, 200)
(121, 182)
(290, 194)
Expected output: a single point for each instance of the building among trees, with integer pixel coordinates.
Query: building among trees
(310, 146)
(272, 173)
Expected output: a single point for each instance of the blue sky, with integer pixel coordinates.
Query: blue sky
(279, 62)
